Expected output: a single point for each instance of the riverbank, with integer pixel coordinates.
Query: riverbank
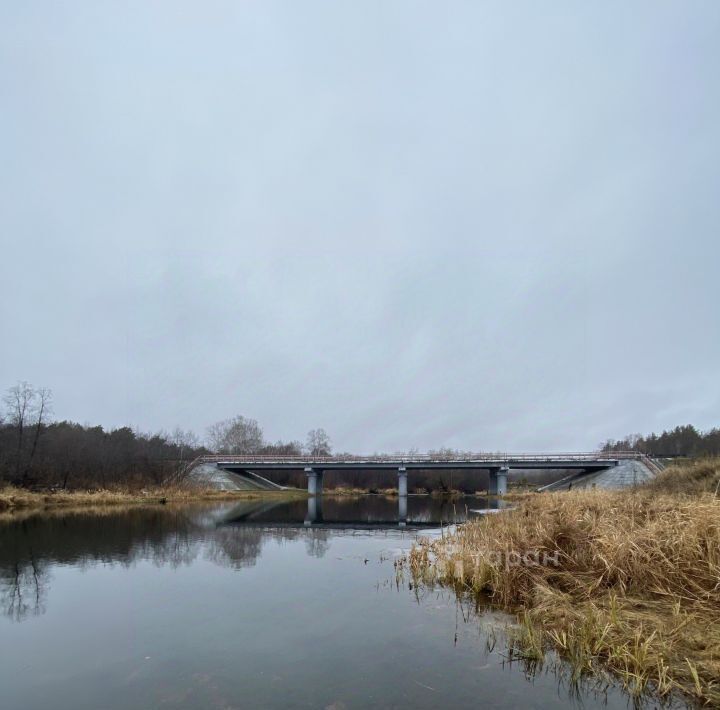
(626, 582)
(13, 498)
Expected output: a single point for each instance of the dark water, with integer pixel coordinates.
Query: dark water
(248, 606)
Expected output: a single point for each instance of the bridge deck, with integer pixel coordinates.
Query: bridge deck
(592, 461)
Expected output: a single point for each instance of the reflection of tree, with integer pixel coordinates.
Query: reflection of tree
(235, 547)
(239, 546)
(166, 536)
(176, 550)
(316, 543)
(23, 591)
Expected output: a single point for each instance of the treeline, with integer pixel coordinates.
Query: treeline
(38, 452)
(69, 455)
(680, 441)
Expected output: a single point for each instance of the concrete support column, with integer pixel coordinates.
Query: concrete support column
(402, 511)
(492, 481)
(502, 475)
(402, 482)
(315, 481)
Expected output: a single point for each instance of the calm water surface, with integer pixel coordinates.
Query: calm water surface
(291, 605)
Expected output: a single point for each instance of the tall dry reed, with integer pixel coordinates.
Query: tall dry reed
(625, 581)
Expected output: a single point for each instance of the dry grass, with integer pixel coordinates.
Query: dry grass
(689, 478)
(349, 491)
(636, 587)
(12, 498)
(344, 491)
(514, 492)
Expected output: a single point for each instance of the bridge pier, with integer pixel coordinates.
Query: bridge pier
(497, 485)
(315, 481)
(502, 475)
(492, 481)
(402, 511)
(402, 482)
(314, 510)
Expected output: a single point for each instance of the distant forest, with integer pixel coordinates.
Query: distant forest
(36, 451)
(680, 441)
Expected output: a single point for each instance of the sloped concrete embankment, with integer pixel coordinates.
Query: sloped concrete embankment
(211, 476)
(624, 475)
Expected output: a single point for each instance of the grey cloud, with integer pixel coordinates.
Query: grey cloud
(474, 225)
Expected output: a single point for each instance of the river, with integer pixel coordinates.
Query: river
(252, 605)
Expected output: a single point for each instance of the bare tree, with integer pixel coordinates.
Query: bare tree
(18, 402)
(283, 448)
(318, 443)
(184, 440)
(42, 408)
(239, 435)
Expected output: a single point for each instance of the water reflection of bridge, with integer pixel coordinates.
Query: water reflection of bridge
(359, 513)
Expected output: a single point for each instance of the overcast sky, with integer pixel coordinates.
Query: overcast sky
(485, 225)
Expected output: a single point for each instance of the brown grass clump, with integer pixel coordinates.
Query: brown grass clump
(345, 491)
(624, 581)
(350, 491)
(689, 478)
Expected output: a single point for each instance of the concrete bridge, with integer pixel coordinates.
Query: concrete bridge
(497, 465)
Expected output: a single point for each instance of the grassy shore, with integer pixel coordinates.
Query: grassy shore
(619, 581)
(13, 499)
